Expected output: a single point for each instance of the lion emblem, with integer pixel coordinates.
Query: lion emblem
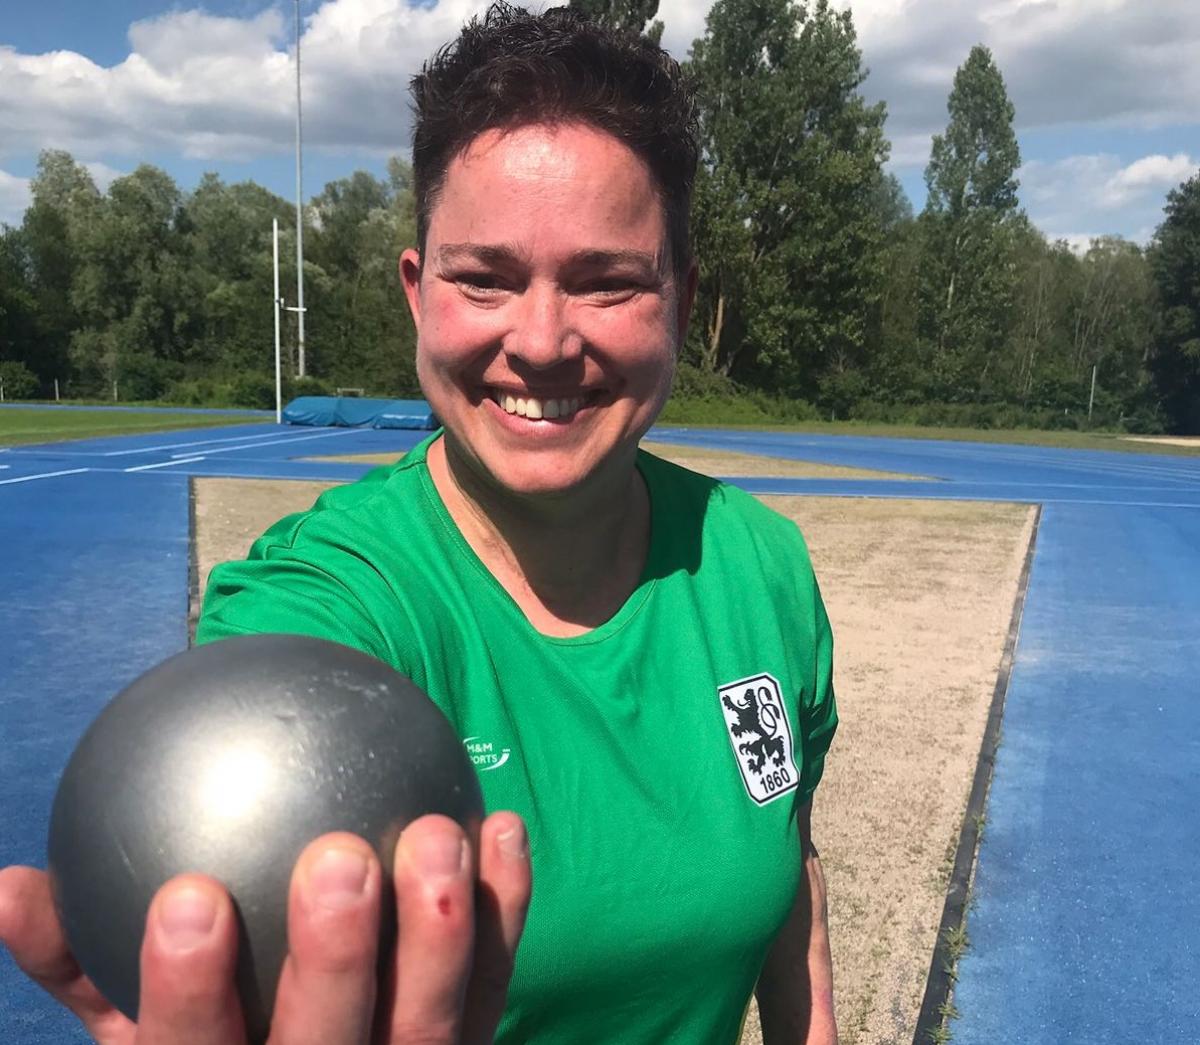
(757, 715)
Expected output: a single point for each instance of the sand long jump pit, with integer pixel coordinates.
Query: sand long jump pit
(921, 595)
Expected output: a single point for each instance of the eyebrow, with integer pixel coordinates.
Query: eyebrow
(450, 253)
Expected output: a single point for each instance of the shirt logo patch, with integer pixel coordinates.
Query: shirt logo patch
(485, 755)
(761, 736)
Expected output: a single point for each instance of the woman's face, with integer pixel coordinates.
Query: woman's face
(548, 313)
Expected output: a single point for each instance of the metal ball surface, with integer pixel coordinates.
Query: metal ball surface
(228, 760)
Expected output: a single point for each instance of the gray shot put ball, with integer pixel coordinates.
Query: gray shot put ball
(228, 760)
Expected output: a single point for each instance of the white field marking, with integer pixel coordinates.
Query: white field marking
(195, 442)
(3, 466)
(43, 475)
(1163, 466)
(163, 464)
(977, 498)
(300, 439)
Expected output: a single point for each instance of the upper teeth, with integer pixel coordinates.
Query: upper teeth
(527, 406)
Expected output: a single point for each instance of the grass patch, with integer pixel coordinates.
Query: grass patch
(21, 427)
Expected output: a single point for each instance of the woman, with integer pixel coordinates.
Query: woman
(637, 655)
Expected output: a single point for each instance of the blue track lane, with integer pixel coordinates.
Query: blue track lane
(93, 591)
(1086, 923)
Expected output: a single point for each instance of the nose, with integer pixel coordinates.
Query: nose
(543, 335)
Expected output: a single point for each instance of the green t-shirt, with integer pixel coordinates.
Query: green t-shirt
(657, 760)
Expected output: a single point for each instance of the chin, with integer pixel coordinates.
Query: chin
(541, 482)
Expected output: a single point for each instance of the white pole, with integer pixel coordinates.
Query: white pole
(299, 216)
(275, 304)
(1092, 397)
(56, 389)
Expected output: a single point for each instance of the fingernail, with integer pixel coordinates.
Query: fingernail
(440, 856)
(186, 917)
(338, 877)
(514, 843)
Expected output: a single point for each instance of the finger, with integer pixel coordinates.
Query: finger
(501, 902)
(327, 991)
(30, 929)
(434, 884)
(188, 956)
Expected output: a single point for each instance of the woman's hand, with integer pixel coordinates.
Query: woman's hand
(460, 917)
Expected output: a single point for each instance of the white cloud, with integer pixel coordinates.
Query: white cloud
(218, 87)
(1112, 63)
(1094, 195)
(683, 23)
(1153, 175)
(14, 198)
(215, 88)
(102, 174)
(212, 86)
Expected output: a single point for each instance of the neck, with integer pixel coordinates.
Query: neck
(569, 562)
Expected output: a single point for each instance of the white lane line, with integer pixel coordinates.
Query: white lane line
(194, 442)
(43, 475)
(983, 498)
(300, 439)
(163, 464)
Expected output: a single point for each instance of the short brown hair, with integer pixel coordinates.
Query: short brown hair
(510, 68)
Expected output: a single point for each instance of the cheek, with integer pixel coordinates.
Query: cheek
(641, 337)
(454, 335)
(647, 321)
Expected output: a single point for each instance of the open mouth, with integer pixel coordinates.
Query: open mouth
(538, 409)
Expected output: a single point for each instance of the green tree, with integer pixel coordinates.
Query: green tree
(631, 15)
(894, 374)
(227, 229)
(18, 308)
(1175, 261)
(785, 215)
(968, 258)
(65, 201)
(361, 328)
(131, 289)
(1040, 357)
(893, 208)
(1113, 322)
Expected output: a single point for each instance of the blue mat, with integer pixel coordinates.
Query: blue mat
(353, 412)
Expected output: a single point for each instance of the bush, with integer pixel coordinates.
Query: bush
(141, 378)
(195, 392)
(693, 383)
(17, 380)
(256, 391)
(304, 386)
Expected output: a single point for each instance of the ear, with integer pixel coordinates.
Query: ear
(687, 299)
(410, 276)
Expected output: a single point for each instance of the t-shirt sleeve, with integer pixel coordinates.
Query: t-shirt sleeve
(294, 582)
(818, 706)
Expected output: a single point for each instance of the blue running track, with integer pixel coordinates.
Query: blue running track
(1085, 924)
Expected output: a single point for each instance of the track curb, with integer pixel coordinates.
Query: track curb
(940, 982)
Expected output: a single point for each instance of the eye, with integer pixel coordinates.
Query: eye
(479, 280)
(611, 289)
(480, 284)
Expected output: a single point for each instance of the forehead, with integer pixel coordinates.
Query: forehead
(541, 179)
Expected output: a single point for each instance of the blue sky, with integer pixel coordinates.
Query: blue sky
(1104, 90)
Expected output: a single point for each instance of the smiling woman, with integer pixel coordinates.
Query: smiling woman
(646, 646)
(512, 308)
